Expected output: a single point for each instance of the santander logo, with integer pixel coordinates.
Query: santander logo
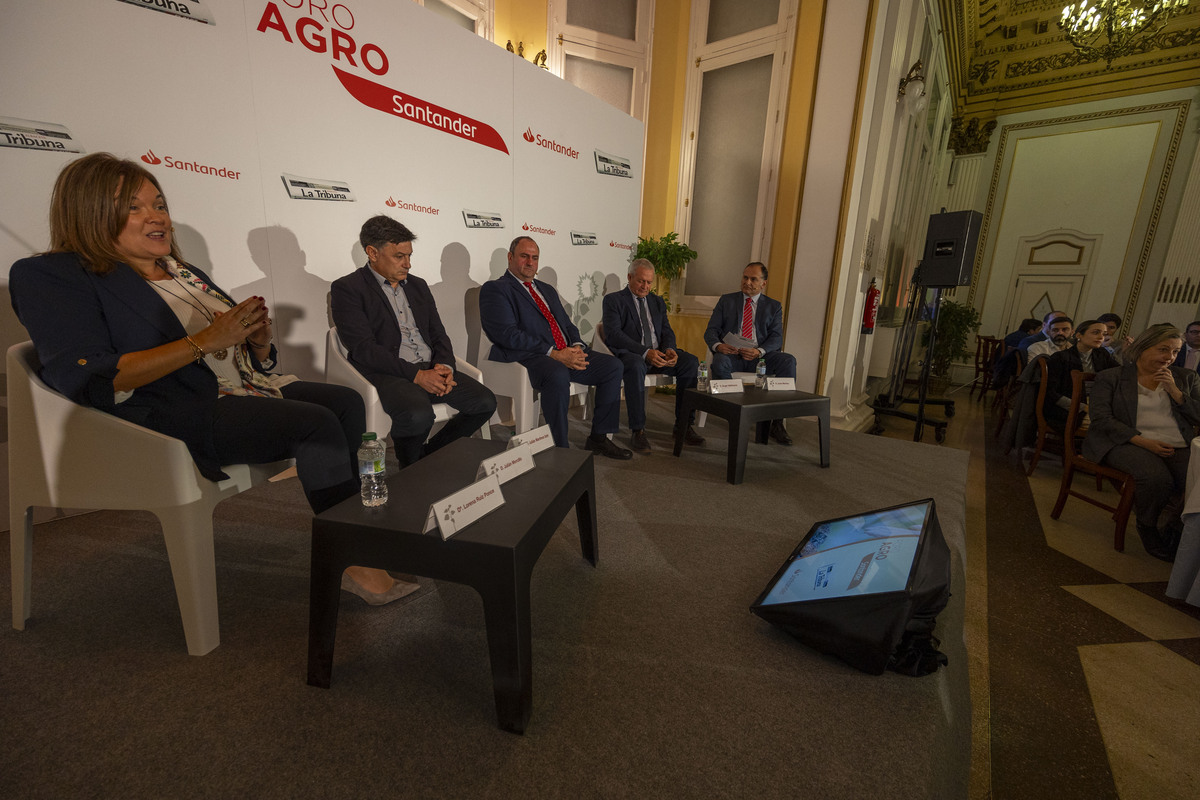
(390, 202)
(550, 144)
(620, 246)
(191, 166)
(538, 229)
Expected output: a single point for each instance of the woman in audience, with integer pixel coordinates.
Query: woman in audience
(1086, 355)
(120, 323)
(1144, 415)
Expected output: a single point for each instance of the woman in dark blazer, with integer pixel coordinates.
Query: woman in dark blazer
(1143, 417)
(120, 323)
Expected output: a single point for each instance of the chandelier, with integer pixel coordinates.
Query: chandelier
(1110, 29)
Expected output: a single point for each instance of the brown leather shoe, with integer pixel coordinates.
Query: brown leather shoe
(639, 442)
(779, 433)
(690, 437)
(602, 446)
(399, 589)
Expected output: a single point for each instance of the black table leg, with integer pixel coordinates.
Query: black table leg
(325, 587)
(686, 414)
(762, 431)
(585, 516)
(510, 647)
(739, 438)
(823, 428)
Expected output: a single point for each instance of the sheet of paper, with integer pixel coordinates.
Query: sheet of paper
(781, 384)
(456, 511)
(538, 439)
(731, 386)
(508, 465)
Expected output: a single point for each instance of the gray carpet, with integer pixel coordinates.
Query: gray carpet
(651, 678)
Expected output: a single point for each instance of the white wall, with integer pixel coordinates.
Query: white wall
(126, 78)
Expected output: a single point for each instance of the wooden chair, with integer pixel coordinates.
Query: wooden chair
(987, 350)
(1072, 461)
(1045, 432)
(1004, 397)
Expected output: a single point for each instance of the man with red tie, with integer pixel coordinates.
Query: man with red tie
(527, 324)
(758, 320)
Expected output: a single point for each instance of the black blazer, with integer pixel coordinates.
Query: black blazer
(1182, 357)
(1059, 366)
(623, 326)
(81, 324)
(1113, 407)
(367, 325)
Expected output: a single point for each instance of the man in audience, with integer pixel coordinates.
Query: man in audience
(1028, 327)
(389, 324)
(1112, 324)
(637, 331)
(1059, 338)
(1088, 355)
(1189, 354)
(527, 323)
(754, 322)
(1041, 335)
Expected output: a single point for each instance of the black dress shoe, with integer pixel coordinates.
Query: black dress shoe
(601, 446)
(779, 433)
(690, 437)
(639, 442)
(1152, 543)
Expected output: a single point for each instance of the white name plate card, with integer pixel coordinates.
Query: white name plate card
(538, 439)
(731, 386)
(453, 513)
(507, 465)
(781, 384)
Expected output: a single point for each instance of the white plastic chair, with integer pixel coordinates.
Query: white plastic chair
(339, 370)
(64, 455)
(510, 379)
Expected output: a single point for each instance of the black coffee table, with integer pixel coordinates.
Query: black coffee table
(494, 556)
(758, 407)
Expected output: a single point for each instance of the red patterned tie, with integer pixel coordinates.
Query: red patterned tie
(559, 341)
(748, 320)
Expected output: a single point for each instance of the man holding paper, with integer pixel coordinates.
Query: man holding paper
(527, 324)
(746, 326)
(389, 324)
(637, 331)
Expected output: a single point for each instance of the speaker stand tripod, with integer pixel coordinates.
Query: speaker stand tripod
(888, 404)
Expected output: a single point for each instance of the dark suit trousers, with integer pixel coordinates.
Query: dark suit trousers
(553, 381)
(779, 365)
(318, 424)
(635, 371)
(411, 410)
(1155, 478)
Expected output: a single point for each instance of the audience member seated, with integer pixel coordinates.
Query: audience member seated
(1113, 344)
(1059, 338)
(389, 324)
(1087, 355)
(1029, 327)
(1005, 368)
(122, 324)
(1041, 335)
(1189, 354)
(1143, 417)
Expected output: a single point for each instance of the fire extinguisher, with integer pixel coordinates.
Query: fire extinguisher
(871, 309)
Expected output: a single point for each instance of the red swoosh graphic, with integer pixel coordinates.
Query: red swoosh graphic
(380, 97)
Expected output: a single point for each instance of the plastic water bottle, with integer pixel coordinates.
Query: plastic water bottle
(760, 374)
(371, 470)
(702, 377)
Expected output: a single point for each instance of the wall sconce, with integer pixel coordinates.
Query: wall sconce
(912, 89)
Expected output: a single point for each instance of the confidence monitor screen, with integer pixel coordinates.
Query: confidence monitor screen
(864, 554)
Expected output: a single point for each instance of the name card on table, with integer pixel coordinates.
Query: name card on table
(731, 386)
(453, 513)
(538, 439)
(507, 465)
(781, 384)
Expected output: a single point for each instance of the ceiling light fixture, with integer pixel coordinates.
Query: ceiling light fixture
(1110, 29)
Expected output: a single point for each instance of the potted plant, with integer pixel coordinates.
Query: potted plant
(668, 255)
(956, 322)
